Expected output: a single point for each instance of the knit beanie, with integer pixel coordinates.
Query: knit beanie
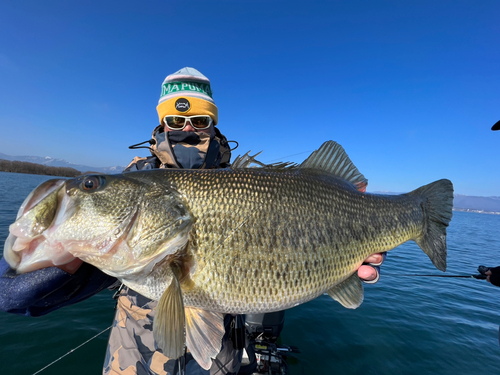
(186, 92)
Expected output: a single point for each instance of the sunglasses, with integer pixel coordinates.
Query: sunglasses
(179, 122)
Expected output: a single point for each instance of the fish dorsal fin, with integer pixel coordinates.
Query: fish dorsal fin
(332, 158)
(349, 293)
(250, 161)
(246, 161)
(168, 327)
(204, 333)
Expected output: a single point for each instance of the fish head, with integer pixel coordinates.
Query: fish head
(121, 225)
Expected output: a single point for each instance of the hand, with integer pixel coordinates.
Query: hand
(39, 292)
(493, 276)
(369, 272)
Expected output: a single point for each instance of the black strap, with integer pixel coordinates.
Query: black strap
(138, 145)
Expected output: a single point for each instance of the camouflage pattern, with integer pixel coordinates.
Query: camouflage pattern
(225, 150)
(203, 151)
(187, 150)
(143, 163)
(131, 346)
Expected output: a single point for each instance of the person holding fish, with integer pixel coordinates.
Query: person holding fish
(186, 138)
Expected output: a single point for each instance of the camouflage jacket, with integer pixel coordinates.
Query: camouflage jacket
(201, 151)
(132, 350)
(131, 346)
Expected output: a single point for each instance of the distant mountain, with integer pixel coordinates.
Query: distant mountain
(473, 203)
(62, 163)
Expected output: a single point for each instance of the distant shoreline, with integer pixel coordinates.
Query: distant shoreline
(38, 169)
(476, 211)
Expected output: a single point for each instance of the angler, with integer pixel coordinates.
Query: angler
(188, 138)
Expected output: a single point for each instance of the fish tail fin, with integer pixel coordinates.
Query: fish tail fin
(438, 210)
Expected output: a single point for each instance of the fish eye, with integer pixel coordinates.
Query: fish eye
(92, 183)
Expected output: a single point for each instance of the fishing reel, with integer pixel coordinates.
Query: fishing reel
(264, 357)
(272, 358)
(263, 354)
(482, 273)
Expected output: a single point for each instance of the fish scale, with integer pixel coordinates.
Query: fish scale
(240, 240)
(322, 232)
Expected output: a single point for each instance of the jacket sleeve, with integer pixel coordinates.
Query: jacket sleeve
(140, 163)
(40, 292)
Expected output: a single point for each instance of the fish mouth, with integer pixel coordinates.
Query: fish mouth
(41, 237)
(26, 248)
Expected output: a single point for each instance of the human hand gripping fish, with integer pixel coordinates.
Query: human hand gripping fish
(227, 241)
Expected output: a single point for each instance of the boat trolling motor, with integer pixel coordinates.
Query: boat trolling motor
(262, 353)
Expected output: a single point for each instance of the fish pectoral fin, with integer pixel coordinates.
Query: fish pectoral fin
(349, 293)
(204, 333)
(168, 327)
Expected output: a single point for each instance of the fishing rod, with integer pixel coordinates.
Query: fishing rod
(481, 276)
(92, 338)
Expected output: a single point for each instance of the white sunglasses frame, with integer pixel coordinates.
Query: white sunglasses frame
(185, 121)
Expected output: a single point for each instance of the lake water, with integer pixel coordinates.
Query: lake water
(406, 325)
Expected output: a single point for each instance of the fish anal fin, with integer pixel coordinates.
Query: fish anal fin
(168, 327)
(204, 333)
(332, 158)
(349, 293)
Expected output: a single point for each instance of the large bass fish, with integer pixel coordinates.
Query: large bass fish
(242, 240)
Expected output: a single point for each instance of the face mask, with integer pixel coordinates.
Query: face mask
(188, 150)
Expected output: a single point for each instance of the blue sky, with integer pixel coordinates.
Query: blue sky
(409, 88)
